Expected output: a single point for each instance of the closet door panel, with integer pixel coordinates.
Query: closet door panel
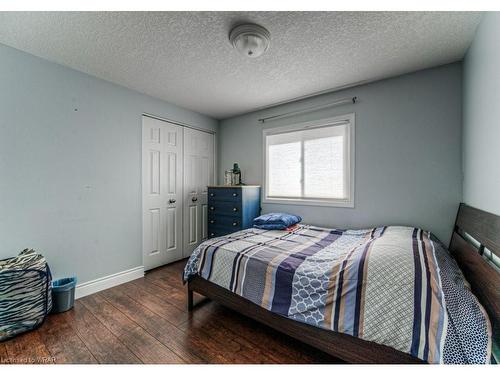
(192, 226)
(171, 222)
(199, 173)
(204, 221)
(162, 153)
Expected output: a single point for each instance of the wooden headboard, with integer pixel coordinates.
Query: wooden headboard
(476, 235)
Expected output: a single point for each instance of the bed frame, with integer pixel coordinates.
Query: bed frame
(484, 279)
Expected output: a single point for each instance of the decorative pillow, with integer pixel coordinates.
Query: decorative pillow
(276, 221)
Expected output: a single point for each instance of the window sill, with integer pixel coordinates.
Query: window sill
(310, 202)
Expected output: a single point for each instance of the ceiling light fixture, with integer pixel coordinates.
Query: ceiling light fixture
(250, 39)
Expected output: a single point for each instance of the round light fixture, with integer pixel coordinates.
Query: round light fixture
(250, 39)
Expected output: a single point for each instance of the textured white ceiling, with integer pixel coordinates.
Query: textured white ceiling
(186, 58)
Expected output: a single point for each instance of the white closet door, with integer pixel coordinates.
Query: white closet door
(198, 174)
(162, 154)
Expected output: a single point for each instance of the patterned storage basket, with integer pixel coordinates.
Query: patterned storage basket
(25, 293)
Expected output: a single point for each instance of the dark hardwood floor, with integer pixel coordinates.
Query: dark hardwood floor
(146, 321)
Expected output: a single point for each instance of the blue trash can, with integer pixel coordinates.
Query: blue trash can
(63, 294)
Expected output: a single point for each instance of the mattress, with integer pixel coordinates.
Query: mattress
(395, 286)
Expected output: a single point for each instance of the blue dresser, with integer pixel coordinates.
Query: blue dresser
(232, 208)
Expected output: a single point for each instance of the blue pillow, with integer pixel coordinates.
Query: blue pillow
(276, 221)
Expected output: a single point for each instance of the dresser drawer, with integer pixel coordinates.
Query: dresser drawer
(224, 208)
(226, 194)
(217, 232)
(224, 221)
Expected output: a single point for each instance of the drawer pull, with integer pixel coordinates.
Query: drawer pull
(212, 194)
(212, 208)
(235, 194)
(212, 221)
(235, 223)
(212, 234)
(235, 209)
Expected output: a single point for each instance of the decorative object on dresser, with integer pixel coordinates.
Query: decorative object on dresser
(231, 209)
(232, 177)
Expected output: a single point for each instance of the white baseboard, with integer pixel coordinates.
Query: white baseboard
(102, 283)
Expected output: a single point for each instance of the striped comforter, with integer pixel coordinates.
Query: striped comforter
(391, 285)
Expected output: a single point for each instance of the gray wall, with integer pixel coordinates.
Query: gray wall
(481, 126)
(70, 165)
(408, 151)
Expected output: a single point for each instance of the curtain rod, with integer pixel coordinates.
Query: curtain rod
(310, 109)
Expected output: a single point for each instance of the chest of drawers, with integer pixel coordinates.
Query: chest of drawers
(231, 208)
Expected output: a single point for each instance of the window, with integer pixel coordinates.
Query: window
(310, 163)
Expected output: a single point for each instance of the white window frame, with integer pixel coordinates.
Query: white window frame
(348, 119)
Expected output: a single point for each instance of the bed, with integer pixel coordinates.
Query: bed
(381, 295)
